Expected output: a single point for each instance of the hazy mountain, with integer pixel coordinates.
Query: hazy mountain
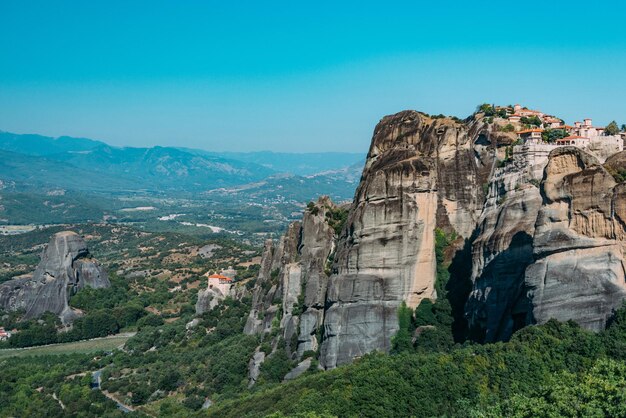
(83, 164)
(39, 145)
(42, 172)
(302, 164)
(35, 163)
(160, 167)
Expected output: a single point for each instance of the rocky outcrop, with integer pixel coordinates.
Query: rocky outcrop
(299, 370)
(527, 244)
(554, 251)
(66, 267)
(254, 367)
(421, 174)
(208, 299)
(291, 287)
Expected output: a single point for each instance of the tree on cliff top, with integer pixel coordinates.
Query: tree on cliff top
(487, 109)
(531, 121)
(612, 128)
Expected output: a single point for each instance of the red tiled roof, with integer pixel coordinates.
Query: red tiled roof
(219, 276)
(527, 131)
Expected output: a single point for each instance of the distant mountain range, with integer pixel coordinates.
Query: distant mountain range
(36, 161)
(303, 164)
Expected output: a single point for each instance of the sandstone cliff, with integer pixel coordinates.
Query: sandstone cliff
(421, 174)
(290, 292)
(66, 267)
(534, 239)
(549, 250)
(344, 286)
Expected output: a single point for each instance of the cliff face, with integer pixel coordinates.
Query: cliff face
(553, 251)
(420, 174)
(535, 239)
(66, 267)
(290, 293)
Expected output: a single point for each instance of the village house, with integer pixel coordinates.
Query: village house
(523, 112)
(552, 122)
(4, 335)
(586, 129)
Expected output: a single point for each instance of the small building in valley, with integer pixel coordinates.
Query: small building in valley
(219, 279)
(4, 335)
(219, 282)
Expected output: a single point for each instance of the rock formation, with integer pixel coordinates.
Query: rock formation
(208, 299)
(554, 251)
(421, 173)
(536, 238)
(291, 286)
(66, 267)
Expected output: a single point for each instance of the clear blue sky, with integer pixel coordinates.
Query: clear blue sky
(297, 76)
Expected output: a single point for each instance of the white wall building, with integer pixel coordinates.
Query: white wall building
(219, 282)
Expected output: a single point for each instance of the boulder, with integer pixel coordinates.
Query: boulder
(297, 371)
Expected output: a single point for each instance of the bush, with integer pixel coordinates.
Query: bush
(402, 340)
(150, 320)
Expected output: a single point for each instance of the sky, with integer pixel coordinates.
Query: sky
(297, 76)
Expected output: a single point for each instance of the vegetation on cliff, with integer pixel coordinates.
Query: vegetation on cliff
(556, 369)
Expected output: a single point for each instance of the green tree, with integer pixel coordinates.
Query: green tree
(551, 135)
(487, 109)
(611, 128)
(531, 121)
(402, 340)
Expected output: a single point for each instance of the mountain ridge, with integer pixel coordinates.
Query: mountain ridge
(154, 169)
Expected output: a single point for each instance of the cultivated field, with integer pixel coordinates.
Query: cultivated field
(90, 346)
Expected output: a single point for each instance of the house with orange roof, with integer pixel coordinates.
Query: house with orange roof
(219, 282)
(586, 129)
(219, 279)
(531, 136)
(552, 122)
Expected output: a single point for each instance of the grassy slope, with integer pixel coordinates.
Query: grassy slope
(90, 346)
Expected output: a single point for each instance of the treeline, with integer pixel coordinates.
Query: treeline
(556, 369)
